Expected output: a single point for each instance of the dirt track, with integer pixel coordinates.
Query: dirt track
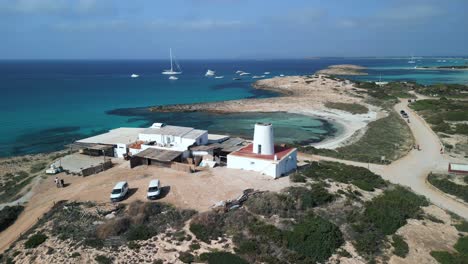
(196, 191)
(412, 170)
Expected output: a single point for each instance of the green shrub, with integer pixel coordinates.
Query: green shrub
(462, 227)
(35, 240)
(101, 259)
(207, 226)
(462, 246)
(139, 232)
(306, 198)
(297, 177)
(222, 257)
(8, 216)
(75, 255)
(195, 246)
(132, 245)
(315, 238)
(384, 215)
(269, 204)
(37, 167)
(369, 240)
(93, 242)
(186, 257)
(246, 247)
(400, 246)
(444, 257)
(358, 176)
(447, 186)
(353, 108)
(389, 211)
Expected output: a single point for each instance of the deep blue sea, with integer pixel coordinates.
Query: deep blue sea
(46, 104)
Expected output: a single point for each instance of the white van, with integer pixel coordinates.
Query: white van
(154, 189)
(119, 192)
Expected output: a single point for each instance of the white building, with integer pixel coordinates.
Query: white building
(263, 156)
(173, 137)
(161, 136)
(119, 138)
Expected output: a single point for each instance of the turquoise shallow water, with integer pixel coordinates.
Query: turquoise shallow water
(46, 104)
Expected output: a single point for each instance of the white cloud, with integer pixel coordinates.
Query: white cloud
(411, 13)
(28, 7)
(202, 24)
(89, 26)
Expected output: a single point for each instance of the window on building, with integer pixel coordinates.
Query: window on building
(259, 149)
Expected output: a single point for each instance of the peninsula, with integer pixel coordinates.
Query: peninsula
(343, 69)
(309, 95)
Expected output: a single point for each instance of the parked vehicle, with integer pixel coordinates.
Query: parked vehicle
(154, 189)
(119, 191)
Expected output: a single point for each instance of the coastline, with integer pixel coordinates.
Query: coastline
(304, 95)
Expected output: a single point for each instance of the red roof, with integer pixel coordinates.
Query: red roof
(247, 151)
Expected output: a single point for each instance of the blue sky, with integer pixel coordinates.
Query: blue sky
(205, 29)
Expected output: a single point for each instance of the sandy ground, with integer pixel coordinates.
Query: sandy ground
(185, 190)
(424, 236)
(302, 95)
(412, 170)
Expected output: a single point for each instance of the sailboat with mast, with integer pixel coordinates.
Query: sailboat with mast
(173, 63)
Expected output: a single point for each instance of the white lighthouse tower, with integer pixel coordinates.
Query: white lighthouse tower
(262, 155)
(263, 142)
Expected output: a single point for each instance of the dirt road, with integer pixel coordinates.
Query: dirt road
(412, 170)
(196, 191)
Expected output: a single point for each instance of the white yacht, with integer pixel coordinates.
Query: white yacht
(244, 73)
(281, 75)
(258, 76)
(173, 63)
(134, 75)
(210, 73)
(266, 73)
(238, 72)
(172, 77)
(219, 77)
(412, 60)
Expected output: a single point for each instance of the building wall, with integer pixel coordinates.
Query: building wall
(287, 164)
(179, 143)
(120, 150)
(271, 168)
(267, 167)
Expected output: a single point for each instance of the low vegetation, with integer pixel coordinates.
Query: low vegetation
(387, 95)
(38, 167)
(442, 114)
(35, 240)
(388, 137)
(103, 259)
(442, 183)
(353, 108)
(310, 238)
(12, 184)
(136, 221)
(462, 226)
(222, 257)
(382, 216)
(444, 90)
(358, 176)
(459, 257)
(8, 216)
(400, 247)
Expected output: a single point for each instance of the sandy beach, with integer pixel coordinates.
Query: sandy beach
(301, 95)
